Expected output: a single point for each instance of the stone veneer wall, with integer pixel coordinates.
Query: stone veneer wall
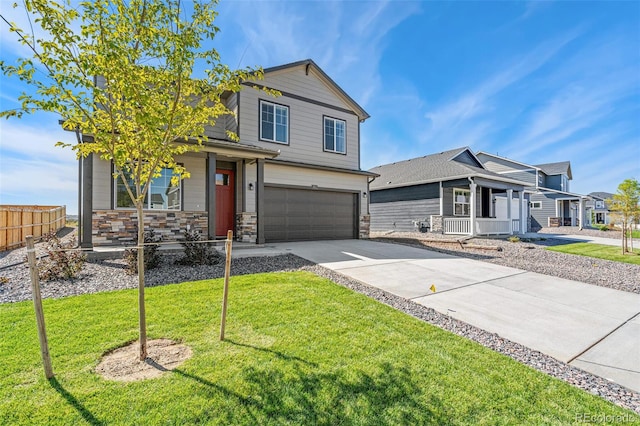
(247, 227)
(119, 227)
(365, 226)
(437, 224)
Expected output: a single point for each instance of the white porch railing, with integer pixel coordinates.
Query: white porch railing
(492, 226)
(457, 225)
(515, 226)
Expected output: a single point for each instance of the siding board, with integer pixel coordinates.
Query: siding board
(401, 215)
(406, 193)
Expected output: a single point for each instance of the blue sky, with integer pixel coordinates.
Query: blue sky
(534, 81)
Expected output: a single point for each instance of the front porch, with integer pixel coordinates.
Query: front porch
(481, 207)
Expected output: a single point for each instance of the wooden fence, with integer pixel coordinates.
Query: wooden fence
(16, 222)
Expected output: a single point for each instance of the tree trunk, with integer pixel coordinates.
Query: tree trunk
(143, 316)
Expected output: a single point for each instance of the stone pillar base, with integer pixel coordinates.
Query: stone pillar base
(247, 227)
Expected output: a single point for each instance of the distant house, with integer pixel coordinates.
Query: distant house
(548, 185)
(450, 192)
(598, 207)
(293, 175)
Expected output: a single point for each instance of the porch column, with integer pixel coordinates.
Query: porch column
(509, 198)
(260, 200)
(85, 210)
(211, 195)
(472, 208)
(523, 218)
(580, 213)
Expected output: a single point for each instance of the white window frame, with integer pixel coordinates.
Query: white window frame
(533, 205)
(335, 136)
(276, 107)
(118, 181)
(468, 204)
(599, 204)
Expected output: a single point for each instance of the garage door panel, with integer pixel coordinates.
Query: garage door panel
(293, 214)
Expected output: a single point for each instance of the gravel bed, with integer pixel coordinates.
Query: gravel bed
(110, 275)
(587, 232)
(530, 256)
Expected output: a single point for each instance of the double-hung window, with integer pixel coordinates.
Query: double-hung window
(461, 202)
(335, 135)
(274, 122)
(161, 195)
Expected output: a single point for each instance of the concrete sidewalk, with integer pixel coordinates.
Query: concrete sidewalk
(583, 239)
(591, 327)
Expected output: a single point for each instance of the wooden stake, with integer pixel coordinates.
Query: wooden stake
(227, 272)
(37, 304)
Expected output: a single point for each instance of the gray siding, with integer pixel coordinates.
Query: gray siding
(528, 176)
(306, 127)
(540, 217)
(466, 158)
(401, 215)
(554, 182)
(406, 193)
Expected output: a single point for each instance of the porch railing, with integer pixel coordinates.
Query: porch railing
(457, 225)
(492, 226)
(515, 225)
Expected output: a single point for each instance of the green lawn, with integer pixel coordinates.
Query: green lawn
(300, 350)
(599, 251)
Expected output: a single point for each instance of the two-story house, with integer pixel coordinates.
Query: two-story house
(598, 207)
(294, 174)
(551, 202)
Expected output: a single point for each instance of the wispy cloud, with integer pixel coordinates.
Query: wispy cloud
(451, 121)
(345, 38)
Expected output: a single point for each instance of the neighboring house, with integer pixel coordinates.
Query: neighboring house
(598, 208)
(450, 192)
(294, 174)
(551, 202)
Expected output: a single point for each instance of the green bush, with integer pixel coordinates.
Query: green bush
(197, 252)
(603, 227)
(514, 239)
(151, 256)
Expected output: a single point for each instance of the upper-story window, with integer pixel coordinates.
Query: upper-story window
(335, 135)
(599, 204)
(274, 122)
(160, 196)
(540, 179)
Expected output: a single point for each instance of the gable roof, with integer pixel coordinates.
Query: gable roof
(560, 168)
(310, 65)
(432, 168)
(528, 166)
(601, 195)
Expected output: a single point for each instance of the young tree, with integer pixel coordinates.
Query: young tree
(626, 205)
(121, 73)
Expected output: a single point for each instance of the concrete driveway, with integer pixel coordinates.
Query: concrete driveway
(594, 328)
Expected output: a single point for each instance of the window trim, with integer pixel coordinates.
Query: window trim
(114, 187)
(468, 191)
(532, 205)
(260, 138)
(324, 147)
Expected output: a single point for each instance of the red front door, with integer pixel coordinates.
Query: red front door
(225, 201)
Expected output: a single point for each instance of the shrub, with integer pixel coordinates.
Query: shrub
(63, 262)
(151, 256)
(197, 252)
(603, 227)
(514, 239)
